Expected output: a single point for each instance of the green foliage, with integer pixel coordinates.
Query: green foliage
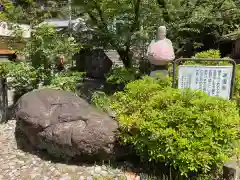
(29, 11)
(101, 100)
(65, 81)
(9, 11)
(121, 75)
(237, 83)
(208, 54)
(42, 51)
(115, 25)
(200, 23)
(237, 151)
(188, 130)
(46, 45)
(22, 77)
(124, 24)
(236, 87)
(4, 69)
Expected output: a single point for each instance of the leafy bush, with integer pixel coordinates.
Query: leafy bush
(121, 75)
(22, 77)
(236, 87)
(212, 53)
(4, 69)
(66, 81)
(237, 83)
(101, 100)
(188, 130)
(46, 44)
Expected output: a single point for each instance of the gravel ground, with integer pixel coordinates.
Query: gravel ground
(16, 164)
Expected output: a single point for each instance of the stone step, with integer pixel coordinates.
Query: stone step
(231, 170)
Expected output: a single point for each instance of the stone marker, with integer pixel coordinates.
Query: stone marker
(94, 62)
(231, 171)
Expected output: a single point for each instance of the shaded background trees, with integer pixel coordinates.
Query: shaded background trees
(127, 26)
(193, 25)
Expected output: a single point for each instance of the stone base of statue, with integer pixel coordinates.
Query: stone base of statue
(159, 70)
(159, 73)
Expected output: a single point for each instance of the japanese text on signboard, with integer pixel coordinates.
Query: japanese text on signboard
(214, 80)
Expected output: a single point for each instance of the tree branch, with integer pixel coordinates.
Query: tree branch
(100, 13)
(103, 25)
(135, 24)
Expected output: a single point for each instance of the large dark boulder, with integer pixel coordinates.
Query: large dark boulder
(94, 62)
(65, 125)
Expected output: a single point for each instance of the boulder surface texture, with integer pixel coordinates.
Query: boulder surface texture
(65, 125)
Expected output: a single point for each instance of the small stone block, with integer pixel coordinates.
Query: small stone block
(231, 171)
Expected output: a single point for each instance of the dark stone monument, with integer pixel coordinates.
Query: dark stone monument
(94, 62)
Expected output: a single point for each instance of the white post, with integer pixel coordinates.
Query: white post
(70, 15)
(70, 20)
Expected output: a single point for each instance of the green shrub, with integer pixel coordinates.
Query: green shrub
(237, 83)
(212, 53)
(22, 77)
(4, 69)
(46, 45)
(236, 87)
(121, 75)
(101, 100)
(66, 81)
(188, 130)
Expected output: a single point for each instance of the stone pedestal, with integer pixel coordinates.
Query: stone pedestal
(157, 73)
(231, 171)
(94, 62)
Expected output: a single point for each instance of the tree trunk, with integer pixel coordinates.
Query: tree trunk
(126, 58)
